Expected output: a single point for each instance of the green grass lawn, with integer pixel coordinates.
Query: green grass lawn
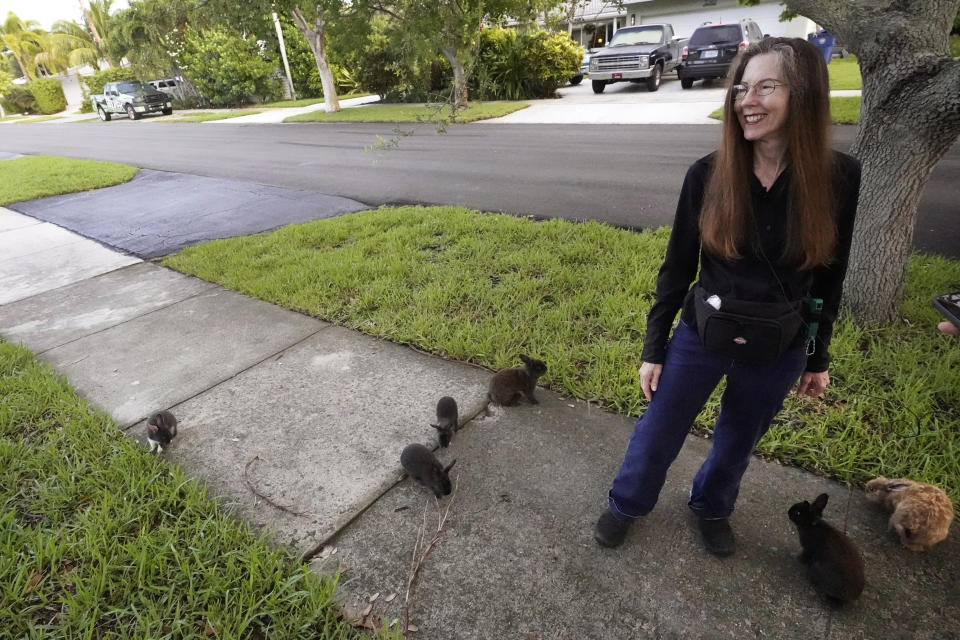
(483, 288)
(305, 102)
(38, 119)
(844, 73)
(207, 116)
(411, 113)
(99, 539)
(843, 110)
(40, 176)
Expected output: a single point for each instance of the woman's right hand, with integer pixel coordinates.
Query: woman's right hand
(650, 378)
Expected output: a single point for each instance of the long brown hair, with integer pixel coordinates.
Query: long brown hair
(727, 209)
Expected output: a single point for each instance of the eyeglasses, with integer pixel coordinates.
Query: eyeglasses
(762, 88)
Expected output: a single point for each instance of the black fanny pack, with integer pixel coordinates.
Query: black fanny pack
(757, 332)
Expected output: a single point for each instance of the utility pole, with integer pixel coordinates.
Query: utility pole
(292, 93)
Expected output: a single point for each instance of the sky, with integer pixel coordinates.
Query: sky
(46, 12)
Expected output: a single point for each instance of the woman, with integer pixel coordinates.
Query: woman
(768, 219)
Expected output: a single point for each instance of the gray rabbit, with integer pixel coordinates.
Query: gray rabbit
(161, 430)
(423, 466)
(509, 385)
(447, 417)
(834, 563)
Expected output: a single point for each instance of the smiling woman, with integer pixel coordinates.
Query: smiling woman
(766, 221)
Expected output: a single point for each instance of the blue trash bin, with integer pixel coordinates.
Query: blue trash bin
(824, 41)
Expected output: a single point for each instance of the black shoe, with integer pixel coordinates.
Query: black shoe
(610, 531)
(718, 537)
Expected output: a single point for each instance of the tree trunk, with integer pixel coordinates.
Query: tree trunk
(460, 89)
(96, 34)
(318, 44)
(909, 118)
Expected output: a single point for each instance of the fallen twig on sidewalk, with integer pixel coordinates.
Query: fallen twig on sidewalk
(416, 561)
(266, 498)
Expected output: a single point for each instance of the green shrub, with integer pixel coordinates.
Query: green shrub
(515, 66)
(227, 68)
(955, 46)
(48, 93)
(187, 102)
(379, 70)
(19, 99)
(6, 81)
(93, 84)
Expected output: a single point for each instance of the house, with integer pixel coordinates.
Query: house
(592, 22)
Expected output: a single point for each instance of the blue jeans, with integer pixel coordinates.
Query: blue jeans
(753, 396)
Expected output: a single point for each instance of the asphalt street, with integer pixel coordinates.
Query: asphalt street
(624, 175)
(160, 212)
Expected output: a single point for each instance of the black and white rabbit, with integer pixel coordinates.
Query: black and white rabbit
(447, 417)
(161, 430)
(834, 563)
(509, 385)
(423, 466)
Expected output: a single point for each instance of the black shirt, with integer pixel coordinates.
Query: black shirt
(751, 277)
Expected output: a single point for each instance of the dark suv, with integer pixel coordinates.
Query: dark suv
(713, 47)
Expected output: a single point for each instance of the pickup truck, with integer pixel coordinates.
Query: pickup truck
(635, 54)
(132, 98)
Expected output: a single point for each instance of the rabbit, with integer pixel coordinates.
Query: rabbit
(508, 385)
(834, 563)
(446, 419)
(922, 513)
(423, 466)
(161, 430)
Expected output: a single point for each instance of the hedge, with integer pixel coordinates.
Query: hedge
(49, 95)
(19, 99)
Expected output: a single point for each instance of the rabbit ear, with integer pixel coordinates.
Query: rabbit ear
(897, 486)
(525, 358)
(450, 466)
(819, 503)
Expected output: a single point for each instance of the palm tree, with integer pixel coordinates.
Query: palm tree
(25, 40)
(97, 15)
(69, 45)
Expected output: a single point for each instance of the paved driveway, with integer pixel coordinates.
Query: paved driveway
(624, 103)
(160, 212)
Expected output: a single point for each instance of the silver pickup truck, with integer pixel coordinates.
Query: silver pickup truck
(132, 98)
(637, 54)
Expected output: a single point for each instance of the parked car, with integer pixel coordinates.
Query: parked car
(171, 86)
(713, 47)
(130, 97)
(584, 69)
(637, 54)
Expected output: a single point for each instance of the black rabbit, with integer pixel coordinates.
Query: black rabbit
(834, 563)
(447, 417)
(161, 430)
(508, 385)
(424, 467)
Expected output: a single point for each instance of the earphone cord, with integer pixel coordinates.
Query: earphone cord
(811, 342)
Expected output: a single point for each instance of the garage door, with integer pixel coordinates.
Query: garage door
(766, 16)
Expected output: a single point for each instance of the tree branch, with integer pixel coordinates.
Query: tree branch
(382, 9)
(301, 23)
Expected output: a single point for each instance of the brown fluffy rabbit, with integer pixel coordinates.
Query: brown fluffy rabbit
(922, 513)
(507, 386)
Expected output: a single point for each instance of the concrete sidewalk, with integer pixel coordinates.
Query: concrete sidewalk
(299, 425)
(272, 115)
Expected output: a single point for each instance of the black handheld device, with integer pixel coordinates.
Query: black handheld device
(814, 308)
(949, 305)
